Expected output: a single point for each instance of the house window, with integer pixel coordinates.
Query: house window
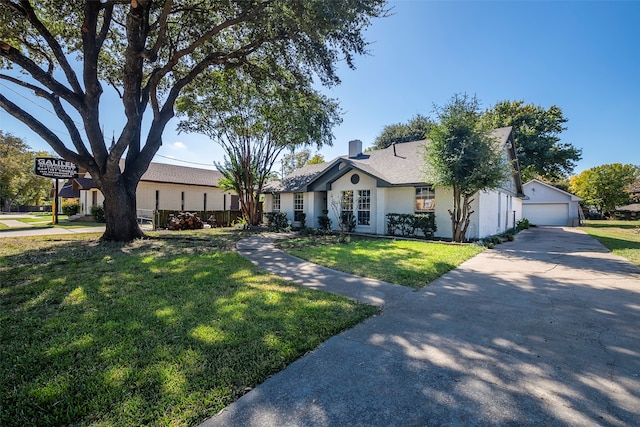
(425, 199)
(157, 199)
(204, 202)
(182, 201)
(346, 204)
(275, 202)
(364, 207)
(298, 206)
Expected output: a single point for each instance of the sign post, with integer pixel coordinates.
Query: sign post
(58, 169)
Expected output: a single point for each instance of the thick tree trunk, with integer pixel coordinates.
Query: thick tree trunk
(120, 212)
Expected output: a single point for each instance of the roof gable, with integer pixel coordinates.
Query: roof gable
(400, 164)
(529, 186)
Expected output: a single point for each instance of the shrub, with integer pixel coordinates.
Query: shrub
(277, 221)
(70, 208)
(523, 224)
(324, 222)
(406, 224)
(98, 213)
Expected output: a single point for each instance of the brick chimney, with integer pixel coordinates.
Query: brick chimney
(355, 148)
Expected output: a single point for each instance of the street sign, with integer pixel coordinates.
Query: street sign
(55, 168)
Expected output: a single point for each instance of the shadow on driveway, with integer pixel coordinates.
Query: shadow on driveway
(540, 331)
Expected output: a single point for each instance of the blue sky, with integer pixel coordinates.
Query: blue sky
(583, 57)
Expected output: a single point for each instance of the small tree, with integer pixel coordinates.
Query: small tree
(254, 122)
(462, 155)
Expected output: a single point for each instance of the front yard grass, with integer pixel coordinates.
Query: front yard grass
(408, 263)
(162, 331)
(620, 237)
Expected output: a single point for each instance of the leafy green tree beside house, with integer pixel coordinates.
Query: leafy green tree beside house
(605, 187)
(462, 155)
(536, 132)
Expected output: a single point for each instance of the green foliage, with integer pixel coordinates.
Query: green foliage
(254, 122)
(407, 224)
(415, 130)
(98, 213)
(605, 186)
(463, 155)
(324, 222)
(70, 208)
(18, 184)
(537, 138)
(316, 159)
(277, 221)
(523, 224)
(294, 160)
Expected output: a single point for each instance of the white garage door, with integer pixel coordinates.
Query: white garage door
(547, 213)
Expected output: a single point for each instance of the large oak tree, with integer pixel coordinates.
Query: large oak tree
(536, 132)
(149, 51)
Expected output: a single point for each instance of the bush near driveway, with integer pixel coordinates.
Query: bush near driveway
(163, 331)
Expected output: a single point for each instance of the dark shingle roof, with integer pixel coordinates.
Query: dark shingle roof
(402, 164)
(161, 172)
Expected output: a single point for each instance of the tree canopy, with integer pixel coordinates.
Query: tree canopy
(536, 134)
(462, 155)
(254, 123)
(607, 186)
(415, 129)
(18, 183)
(148, 52)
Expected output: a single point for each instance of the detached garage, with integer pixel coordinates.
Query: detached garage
(548, 205)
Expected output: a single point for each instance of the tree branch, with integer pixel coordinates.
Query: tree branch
(27, 11)
(13, 55)
(42, 130)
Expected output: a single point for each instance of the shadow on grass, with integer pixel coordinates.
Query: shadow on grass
(160, 331)
(527, 341)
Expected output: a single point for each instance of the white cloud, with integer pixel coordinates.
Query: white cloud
(178, 145)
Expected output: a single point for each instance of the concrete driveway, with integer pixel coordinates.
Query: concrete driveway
(540, 331)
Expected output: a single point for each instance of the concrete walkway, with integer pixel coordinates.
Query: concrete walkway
(540, 331)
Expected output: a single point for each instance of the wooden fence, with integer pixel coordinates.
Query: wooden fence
(214, 218)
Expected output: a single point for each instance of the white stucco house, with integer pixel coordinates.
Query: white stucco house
(167, 187)
(549, 205)
(375, 183)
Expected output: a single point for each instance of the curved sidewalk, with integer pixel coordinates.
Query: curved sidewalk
(540, 331)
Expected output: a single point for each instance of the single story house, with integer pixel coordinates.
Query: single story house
(167, 187)
(631, 211)
(549, 205)
(375, 183)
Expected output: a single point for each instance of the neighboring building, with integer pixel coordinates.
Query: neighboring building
(167, 187)
(549, 205)
(631, 211)
(375, 183)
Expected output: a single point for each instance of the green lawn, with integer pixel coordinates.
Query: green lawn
(621, 237)
(409, 263)
(162, 331)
